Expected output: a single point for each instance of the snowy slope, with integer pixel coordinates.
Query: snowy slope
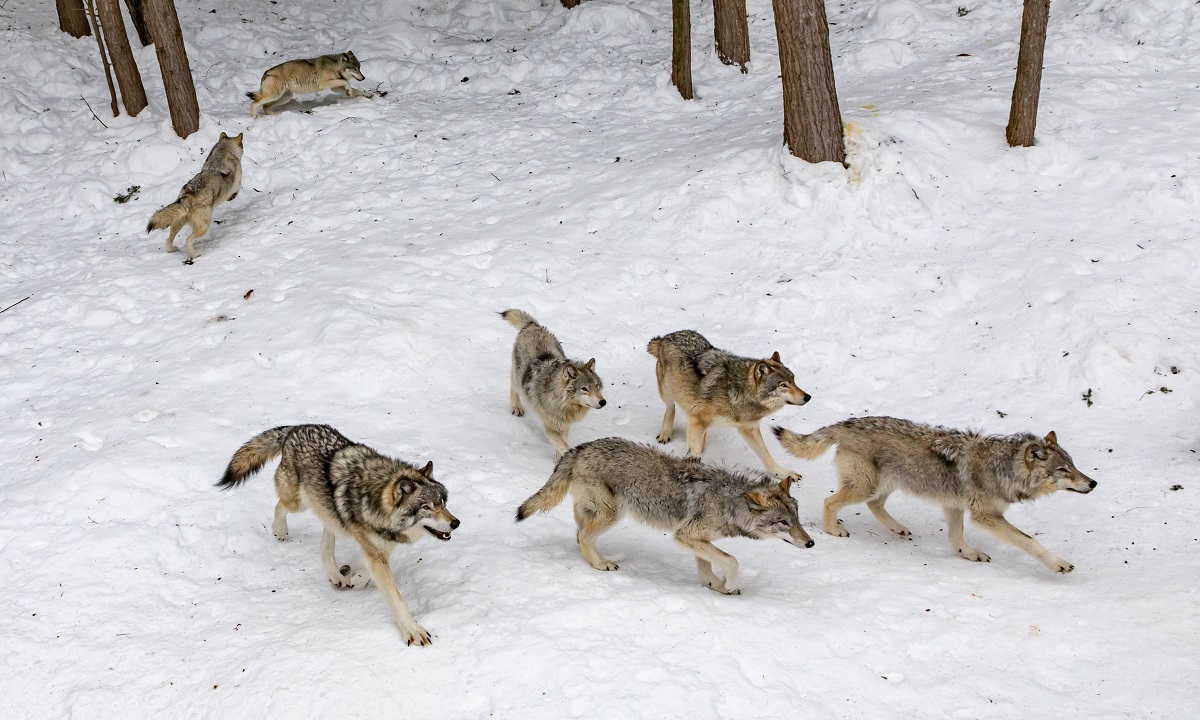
(945, 278)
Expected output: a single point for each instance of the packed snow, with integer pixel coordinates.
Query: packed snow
(535, 157)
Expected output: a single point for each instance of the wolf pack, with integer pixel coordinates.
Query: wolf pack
(379, 501)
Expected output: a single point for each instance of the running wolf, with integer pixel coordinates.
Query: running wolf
(327, 72)
(717, 387)
(559, 390)
(961, 471)
(218, 181)
(699, 503)
(354, 491)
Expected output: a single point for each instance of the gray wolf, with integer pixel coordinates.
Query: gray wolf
(699, 503)
(961, 471)
(376, 500)
(218, 181)
(327, 72)
(559, 390)
(717, 387)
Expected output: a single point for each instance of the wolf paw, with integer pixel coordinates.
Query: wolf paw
(519, 412)
(415, 635)
(1061, 566)
(903, 532)
(837, 530)
(281, 535)
(785, 474)
(974, 555)
(349, 579)
(664, 438)
(719, 586)
(606, 566)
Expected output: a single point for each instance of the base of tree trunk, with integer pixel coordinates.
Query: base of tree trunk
(681, 47)
(732, 32)
(1022, 116)
(812, 122)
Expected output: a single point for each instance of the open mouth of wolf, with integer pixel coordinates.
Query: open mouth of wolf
(437, 533)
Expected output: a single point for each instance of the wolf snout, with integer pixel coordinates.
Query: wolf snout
(454, 524)
(809, 544)
(603, 402)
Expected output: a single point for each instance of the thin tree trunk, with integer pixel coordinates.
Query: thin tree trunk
(71, 18)
(112, 91)
(681, 47)
(139, 21)
(128, 77)
(733, 35)
(812, 123)
(172, 58)
(1022, 117)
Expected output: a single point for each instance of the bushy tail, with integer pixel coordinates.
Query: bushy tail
(252, 95)
(518, 318)
(252, 456)
(652, 346)
(808, 446)
(167, 217)
(553, 492)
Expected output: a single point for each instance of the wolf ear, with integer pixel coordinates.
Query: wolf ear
(590, 364)
(775, 356)
(427, 471)
(571, 372)
(757, 499)
(762, 369)
(1051, 438)
(225, 137)
(403, 486)
(1035, 452)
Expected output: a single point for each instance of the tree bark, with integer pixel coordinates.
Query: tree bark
(172, 58)
(72, 19)
(733, 34)
(139, 21)
(1022, 117)
(112, 91)
(128, 77)
(812, 123)
(568, 4)
(681, 47)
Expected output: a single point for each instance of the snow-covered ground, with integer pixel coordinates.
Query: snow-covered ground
(529, 156)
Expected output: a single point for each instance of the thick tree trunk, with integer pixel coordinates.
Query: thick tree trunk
(71, 18)
(733, 35)
(172, 58)
(139, 21)
(681, 47)
(1022, 117)
(128, 77)
(812, 123)
(568, 4)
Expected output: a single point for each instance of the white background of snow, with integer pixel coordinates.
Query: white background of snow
(946, 278)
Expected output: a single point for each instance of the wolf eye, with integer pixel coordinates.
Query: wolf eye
(583, 389)
(426, 507)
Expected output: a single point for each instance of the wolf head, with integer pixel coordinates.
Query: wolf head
(234, 140)
(350, 67)
(418, 503)
(584, 384)
(776, 385)
(772, 513)
(1050, 468)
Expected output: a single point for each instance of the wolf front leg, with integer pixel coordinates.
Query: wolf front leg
(558, 437)
(381, 573)
(1007, 532)
(754, 438)
(709, 555)
(954, 530)
(352, 579)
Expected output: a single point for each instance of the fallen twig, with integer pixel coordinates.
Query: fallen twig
(10, 307)
(93, 112)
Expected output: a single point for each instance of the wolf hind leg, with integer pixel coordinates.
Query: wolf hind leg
(175, 228)
(857, 483)
(199, 222)
(697, 434)
(707, 555)
(270, 107)
(514, 394)
(287, 487)
(954, 531)
(876, 506)
(593, 517)
(352, 578)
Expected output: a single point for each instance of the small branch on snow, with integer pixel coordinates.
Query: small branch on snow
(93, 112)
(10, 307)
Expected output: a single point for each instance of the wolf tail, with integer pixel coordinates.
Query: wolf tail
(252, 95)
(252, 456)
(168, 216)
(808, 446)
(553, 492)
(653, 346)
(518, 318)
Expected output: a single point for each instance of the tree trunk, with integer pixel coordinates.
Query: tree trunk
(568, 4)
(71, 18)
(733, 35)
(112, 91)
(139, 21)
(172, 58)
(681, 47)
(812, 123)
(1022, 117)
(128, 77)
